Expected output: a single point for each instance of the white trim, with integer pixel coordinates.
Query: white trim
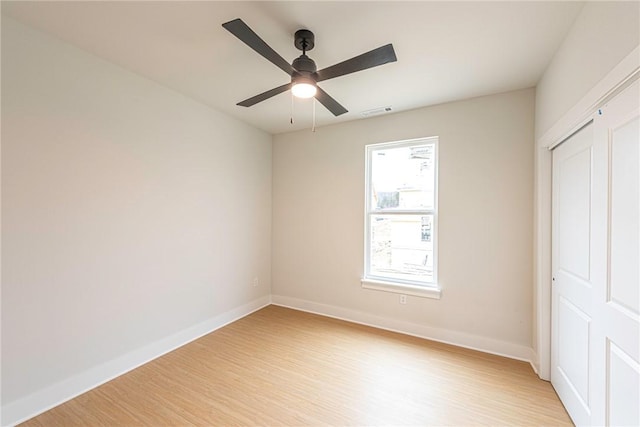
(458, 339)
(401, 288)
(393, 211)
(617, 79)
(45, 399)
(534, 362)
(405, 142)
(542, 262)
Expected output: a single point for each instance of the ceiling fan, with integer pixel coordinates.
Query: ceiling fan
(303, 71)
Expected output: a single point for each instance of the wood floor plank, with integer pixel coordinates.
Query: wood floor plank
(281, 367)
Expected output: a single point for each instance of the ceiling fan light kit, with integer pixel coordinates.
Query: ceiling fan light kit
(300, 89)
(303, 71)
(303, 80)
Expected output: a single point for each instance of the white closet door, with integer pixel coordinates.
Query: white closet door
(616, 235)
(572, 277)
(595, 348)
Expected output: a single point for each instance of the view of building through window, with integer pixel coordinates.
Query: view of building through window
(401, 211)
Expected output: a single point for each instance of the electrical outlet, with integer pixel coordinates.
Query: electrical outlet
(255, 282)
(403, 299)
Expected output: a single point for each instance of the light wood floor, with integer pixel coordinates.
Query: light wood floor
(284, 367)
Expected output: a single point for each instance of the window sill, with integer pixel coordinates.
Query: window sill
(402, 288)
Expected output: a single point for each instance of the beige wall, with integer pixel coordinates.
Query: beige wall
(485, 223)
(602, 35)
(129, 212)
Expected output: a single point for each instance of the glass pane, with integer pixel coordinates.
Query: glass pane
(403, 177)
(402, 247)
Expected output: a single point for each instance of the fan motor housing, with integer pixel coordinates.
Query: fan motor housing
(304, 64)
(304, 40)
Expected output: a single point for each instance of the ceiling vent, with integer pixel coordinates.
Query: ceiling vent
(376, 111)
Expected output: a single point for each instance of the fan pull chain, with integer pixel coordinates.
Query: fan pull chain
(291, 118)
(313, 127)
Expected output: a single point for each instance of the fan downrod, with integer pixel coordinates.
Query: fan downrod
(304, 40)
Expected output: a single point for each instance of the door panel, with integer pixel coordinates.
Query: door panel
(573, 212)
(623, 385)
(571, 261)
(624, 214)
(573, 353)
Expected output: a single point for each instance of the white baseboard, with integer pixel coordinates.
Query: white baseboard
(535, 363)
(43, 400)
(459, 339)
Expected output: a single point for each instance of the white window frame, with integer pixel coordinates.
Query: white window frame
(389, 284)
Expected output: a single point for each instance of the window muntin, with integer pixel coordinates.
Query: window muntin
(401, 214)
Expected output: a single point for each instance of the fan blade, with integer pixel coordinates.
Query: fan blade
(238, 28)
(331, 104)
(265, 95)
(373, 58)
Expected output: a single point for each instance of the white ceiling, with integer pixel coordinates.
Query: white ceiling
(446, 50)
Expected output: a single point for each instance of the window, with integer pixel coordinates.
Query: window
(401, 217)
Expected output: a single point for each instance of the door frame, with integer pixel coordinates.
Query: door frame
(620, 77)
